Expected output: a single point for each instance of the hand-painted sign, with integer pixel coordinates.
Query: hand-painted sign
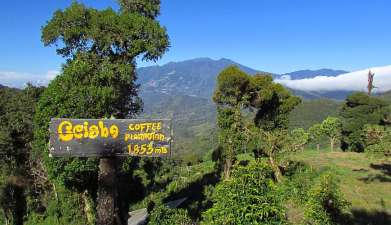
(110, 137)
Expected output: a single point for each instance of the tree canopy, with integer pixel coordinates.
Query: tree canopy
(358, 110)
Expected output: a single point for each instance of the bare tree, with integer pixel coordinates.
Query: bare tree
(370, 82)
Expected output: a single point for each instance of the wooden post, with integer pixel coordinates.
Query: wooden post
(107, 192)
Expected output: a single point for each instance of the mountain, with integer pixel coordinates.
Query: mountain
(195, 77)
(302, 74)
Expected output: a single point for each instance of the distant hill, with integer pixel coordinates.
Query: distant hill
(302, 74)
(195, 77)
(310, 112)
(332, 95)
(193, 121)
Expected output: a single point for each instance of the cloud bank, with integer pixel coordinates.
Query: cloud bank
(19, 80)
(354, 81)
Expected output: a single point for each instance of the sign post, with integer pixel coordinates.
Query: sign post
(109, 139)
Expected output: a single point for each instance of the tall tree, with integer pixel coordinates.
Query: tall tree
(236, 91)
(98, 79)
(331, 127)
(358, 110)
(231, 96)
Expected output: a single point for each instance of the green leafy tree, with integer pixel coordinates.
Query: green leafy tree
(98, 79)
(377, 139)
(17, 108)
(298, 138)
(331, 127)
(271, 144)
(231, 96)
(358, 110)
(250, 197)
(272, 103)
(236, 91)
(315, 134)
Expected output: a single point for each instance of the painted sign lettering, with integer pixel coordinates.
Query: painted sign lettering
(110, 137)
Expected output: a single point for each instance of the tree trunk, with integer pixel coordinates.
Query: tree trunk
(227, 169)
(107, 192)
(318, 147)
(276, 169)
(332, 144)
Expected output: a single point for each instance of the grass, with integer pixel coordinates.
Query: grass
(364, 181)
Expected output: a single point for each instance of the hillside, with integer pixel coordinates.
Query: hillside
(310, 112)
(195, 77)
(194, 119)
(193, 122)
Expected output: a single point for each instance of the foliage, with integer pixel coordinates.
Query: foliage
(16, 162)
(231, 96)
(63, 209)
(298, 138)
(273, 103)
(300, 179)
(315, 134)
(98, 79)
(377, 139)
(325, 202)
(360, 109)
(236, 91)
(331, 127)
(174, 181)
(17, 108)
(163, 215)
(249, 197)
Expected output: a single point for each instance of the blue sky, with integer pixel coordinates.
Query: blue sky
(272, 35)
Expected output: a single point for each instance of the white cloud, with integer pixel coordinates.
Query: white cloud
(354, 81)
(18, 79)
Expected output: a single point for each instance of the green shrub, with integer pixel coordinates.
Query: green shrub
(64, 209)
(249, 197)
(377, 139)
(300, 180)
(163, 215)
(325, 203)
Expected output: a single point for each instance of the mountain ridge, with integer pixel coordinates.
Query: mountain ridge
(197, 77)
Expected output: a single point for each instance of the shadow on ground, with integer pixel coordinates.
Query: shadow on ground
(363, 217)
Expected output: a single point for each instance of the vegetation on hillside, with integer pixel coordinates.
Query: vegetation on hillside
(248, 159)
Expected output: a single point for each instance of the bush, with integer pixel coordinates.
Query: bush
(325, 202)
(64, 208)
(163, 215)
(377, 139)
(249, 197)
(300, 180)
